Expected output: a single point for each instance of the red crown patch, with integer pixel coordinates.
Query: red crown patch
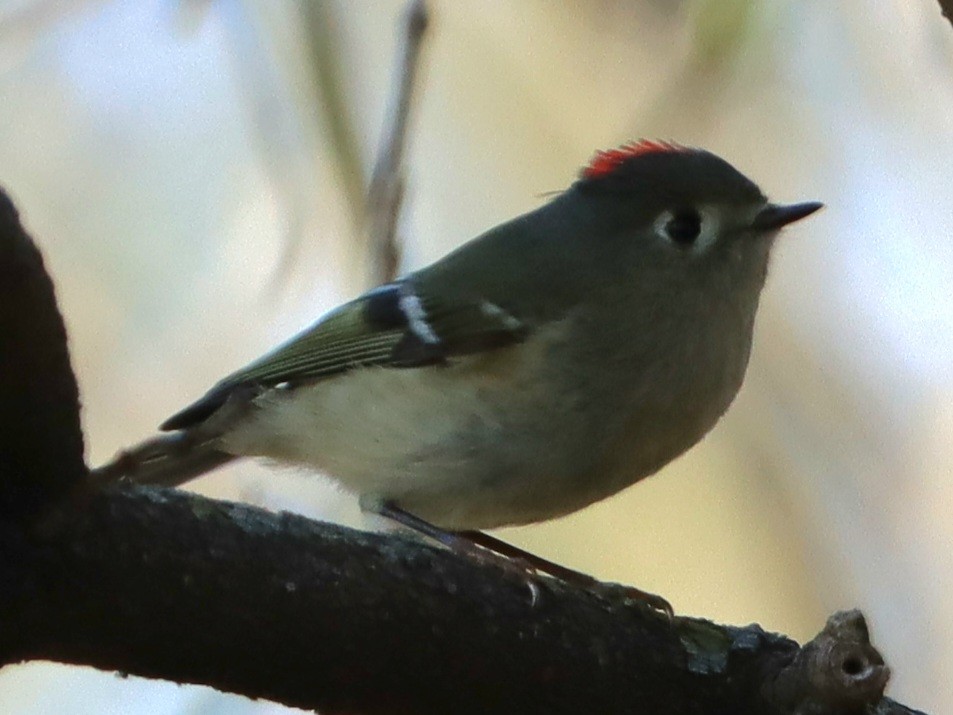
(605, 162)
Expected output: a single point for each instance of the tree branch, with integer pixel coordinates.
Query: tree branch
(947, 7)
(168, 585)
(41, 441)
(165, 584)
(386, 190)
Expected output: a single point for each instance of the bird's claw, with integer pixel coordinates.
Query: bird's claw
(617, 592)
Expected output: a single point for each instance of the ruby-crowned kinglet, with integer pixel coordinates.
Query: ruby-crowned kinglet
(540, 367)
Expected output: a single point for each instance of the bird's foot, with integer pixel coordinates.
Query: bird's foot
(613, 592)
(461, 543)
(514, 566)
(622, 593)
(487, 549)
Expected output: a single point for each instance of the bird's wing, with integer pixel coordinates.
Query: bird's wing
(397, 325)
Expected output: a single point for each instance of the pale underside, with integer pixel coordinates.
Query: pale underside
(482, 442)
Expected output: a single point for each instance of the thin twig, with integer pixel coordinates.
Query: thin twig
(386, 190)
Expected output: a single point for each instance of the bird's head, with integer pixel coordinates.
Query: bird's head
(670, 205)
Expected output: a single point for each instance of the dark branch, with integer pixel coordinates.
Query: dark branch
(947, 7)
(168, 585)
(41, 441)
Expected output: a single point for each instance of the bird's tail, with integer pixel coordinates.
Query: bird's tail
(167, 460)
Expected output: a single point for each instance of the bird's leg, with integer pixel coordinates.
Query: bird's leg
(477, 544)
(455, 541)
(452, 540)
(566, 574)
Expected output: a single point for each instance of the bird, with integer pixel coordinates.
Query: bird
(544, 365)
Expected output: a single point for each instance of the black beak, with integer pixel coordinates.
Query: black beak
(772, 217)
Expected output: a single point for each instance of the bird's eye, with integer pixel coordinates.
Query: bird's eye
(683, 227)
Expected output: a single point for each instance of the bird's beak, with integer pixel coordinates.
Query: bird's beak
(772, 217)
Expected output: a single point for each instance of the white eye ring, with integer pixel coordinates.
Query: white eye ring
(689, 229)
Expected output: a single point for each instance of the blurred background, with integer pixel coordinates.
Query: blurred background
(194, 172)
